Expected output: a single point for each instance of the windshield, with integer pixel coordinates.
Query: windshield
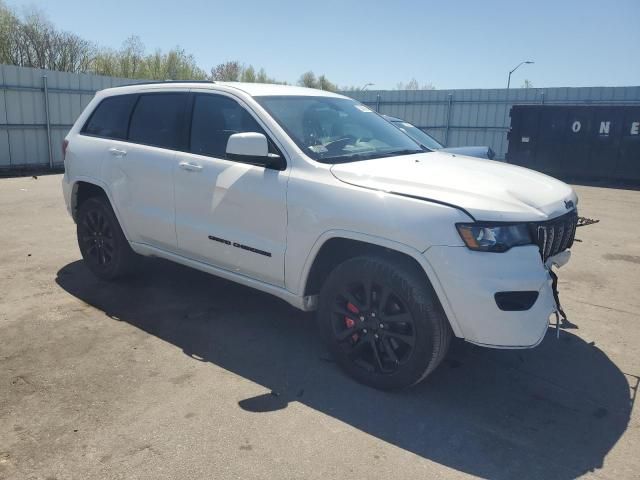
(418, 135)
(336, 130)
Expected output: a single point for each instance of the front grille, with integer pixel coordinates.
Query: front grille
(555, 235)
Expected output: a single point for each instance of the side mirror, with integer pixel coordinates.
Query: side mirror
(253, 148)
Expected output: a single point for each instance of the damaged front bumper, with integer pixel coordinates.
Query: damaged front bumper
(470, 281)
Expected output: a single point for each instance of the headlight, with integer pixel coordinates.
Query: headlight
(494, 238)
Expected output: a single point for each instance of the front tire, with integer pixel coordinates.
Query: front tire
(104, 248)
(382, 322)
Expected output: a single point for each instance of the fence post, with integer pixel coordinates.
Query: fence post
(46, 112)
(378, 103)
(446, 132)
(6, 112)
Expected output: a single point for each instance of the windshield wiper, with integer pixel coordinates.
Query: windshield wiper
(408, 151)
(354, 157)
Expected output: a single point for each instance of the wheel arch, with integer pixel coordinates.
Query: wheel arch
(84, 188)
(335, 247)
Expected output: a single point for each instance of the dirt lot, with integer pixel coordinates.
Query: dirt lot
(177, 374)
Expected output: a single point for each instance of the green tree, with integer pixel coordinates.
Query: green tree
(154, 65)
(131, 58)
(105, 62)
(31, 40)
(9, 25)
(413, 84)
(308, 79)
(325, 84)
(249, 74)
(227, 71)
(262, 76)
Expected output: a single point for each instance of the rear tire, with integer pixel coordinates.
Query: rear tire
(382, 322)
(104, 248)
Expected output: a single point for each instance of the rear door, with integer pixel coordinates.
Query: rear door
(140, 169)
(229, 214)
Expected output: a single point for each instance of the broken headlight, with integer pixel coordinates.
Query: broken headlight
(494, 238)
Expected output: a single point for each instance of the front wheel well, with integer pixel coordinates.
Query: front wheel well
(338, 250)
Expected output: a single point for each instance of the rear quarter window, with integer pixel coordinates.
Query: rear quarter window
(110, 119)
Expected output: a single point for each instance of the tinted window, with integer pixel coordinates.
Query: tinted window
(157, 120)
(215, 119)
(111, 118)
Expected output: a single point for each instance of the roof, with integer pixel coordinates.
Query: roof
(253, 89)
(260, 89)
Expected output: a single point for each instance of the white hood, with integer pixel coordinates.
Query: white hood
(488, 190)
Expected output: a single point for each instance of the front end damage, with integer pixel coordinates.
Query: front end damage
(505, 300)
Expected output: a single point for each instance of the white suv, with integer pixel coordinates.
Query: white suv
(316, 199)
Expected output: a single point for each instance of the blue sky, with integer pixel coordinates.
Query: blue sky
(451, 44)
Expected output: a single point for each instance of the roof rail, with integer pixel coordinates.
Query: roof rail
(159, 82)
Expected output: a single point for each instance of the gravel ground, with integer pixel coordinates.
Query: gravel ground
(177, 374)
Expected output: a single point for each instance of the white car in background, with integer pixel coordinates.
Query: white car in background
(316, 199)
(430, 143)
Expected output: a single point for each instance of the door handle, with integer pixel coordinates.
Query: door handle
(116, 152)
(190, 167)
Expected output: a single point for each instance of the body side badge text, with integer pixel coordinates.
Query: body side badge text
(239, 245)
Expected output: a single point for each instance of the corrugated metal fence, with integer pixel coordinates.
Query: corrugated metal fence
(37, 108)
(481, 117)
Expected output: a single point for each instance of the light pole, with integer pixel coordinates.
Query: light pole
(527, 62)
(366, 85)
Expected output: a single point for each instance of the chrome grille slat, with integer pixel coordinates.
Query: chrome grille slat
(549, 246)
(557, 235)
(542, 239)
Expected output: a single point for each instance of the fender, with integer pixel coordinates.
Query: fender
(391, 245)
(103, 186)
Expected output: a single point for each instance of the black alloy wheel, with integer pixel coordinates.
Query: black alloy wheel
(373, 326)
(97, 237)
(382, 321)
(104, 248)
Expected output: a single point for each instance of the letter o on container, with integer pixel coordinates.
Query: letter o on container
(576, 126)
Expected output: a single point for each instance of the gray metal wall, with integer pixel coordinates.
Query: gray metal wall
(23, 113)
(455, 117)
(481, 117)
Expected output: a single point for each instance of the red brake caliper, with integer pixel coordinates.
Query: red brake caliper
(350, 323)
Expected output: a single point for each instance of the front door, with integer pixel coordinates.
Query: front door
(229, 214)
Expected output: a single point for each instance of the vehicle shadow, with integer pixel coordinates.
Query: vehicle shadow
(552, 412)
